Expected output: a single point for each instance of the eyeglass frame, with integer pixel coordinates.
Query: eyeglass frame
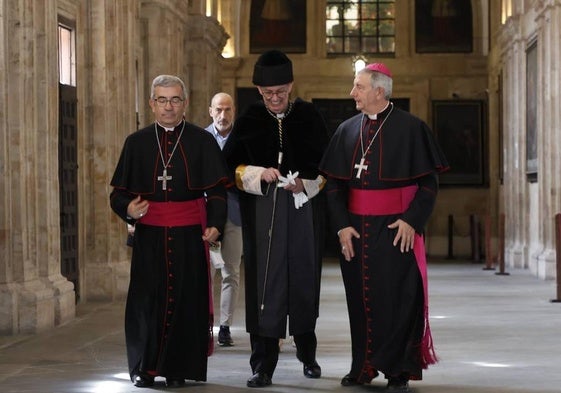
(159, 101)
(281, 93)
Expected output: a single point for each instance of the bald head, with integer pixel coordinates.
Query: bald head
(222, 111)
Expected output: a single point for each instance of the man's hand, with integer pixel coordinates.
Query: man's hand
(137, 208)
(270, 175)
(405, 233)
(211, 234)
(346, 236)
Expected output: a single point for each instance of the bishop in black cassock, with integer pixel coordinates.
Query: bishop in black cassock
(178, 172)
(382, 167)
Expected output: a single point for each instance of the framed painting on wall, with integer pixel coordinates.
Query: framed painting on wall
(443, 26)
(459, 128)
(277, 24)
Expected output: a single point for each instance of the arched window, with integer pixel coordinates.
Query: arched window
(360, 26)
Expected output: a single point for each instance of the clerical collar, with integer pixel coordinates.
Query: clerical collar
(375, 115)
(280, 116)
(168, 128)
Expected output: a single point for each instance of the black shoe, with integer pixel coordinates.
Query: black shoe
(224, 337)
(312, 370)
(175, 382)
(259, 380)
(398, 385)
(142, 381)
(349, 380)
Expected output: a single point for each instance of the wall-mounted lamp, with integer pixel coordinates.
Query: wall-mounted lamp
(359, 62)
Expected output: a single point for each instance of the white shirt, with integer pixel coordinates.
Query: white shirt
(221, 140)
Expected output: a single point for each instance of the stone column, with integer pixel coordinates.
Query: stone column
(230, 19)
(162, 37)
(548, 114)
(203, 47)
(33, 294)
(515, 190)
(109, 81)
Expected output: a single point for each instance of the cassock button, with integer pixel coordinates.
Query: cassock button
(170, 288)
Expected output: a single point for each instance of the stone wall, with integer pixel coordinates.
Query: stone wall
(530, 205)
(121, 45)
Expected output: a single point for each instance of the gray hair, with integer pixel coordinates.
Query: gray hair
(377, 79)
(167, 81)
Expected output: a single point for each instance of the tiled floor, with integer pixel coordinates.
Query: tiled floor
(493, 333)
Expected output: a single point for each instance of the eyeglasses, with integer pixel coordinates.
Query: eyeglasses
(268, 94)
(174, 101)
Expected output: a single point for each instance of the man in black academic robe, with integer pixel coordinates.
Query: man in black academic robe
(382, 184)
(170, 182)
(282, 235)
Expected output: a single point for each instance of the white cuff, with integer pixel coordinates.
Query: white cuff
(313, 187)
(251, 179)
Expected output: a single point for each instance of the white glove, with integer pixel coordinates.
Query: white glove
(299, 198)
(216, 255)
(289, 179)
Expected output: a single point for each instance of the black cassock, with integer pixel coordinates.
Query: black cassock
(290, 283)
(168, 317)
(385, 289)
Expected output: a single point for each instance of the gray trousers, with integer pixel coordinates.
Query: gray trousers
(230, 273)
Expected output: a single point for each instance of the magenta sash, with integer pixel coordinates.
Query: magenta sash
(174, 214)
(380, 202)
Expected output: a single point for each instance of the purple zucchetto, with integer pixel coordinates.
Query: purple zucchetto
(379, 67)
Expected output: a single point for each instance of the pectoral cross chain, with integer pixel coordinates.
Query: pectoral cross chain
(164, 179)
(360, 166)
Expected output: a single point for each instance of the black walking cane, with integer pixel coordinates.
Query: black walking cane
(271, 226)
(278, 117)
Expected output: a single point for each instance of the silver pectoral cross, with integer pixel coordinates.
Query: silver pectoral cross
(164, 179)
(360, 166)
